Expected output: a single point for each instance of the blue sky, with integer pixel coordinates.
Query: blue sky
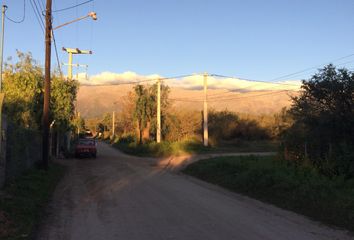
(251, 39)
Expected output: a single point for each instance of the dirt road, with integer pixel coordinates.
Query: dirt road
(120, 197)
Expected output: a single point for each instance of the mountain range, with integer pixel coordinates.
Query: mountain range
(94, 101)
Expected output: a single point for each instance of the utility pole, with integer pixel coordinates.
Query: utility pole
(78, 124)
(158, 125)
(205, 112)
(2, 95)
(70, 64)
(113, 123)
(4, 7)
(48, 45)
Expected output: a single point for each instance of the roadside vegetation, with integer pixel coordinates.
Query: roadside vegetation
(313, 173)
(301, 189)
(24, 200)
(135, 128)
(25, 189)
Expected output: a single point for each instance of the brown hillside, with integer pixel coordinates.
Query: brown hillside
(93, 101)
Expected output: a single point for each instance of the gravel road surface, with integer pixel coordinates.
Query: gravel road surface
(121, 197)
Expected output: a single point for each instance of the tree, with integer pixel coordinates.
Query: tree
(63, 96)
(152, 91)
(23, 86)
(124, 121)
(145, 108)
(142, 109)
(323, 114)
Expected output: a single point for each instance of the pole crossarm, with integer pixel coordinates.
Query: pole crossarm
(75, 65)
(71, 52)
(76, 51)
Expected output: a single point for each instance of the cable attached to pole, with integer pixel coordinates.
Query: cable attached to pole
(23, 17)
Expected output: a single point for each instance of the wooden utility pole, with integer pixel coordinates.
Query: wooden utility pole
(113, 123)
(158, 125)
(48, 46)
(205, 112)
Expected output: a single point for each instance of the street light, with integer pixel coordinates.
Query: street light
(48, 35)
(93, 15)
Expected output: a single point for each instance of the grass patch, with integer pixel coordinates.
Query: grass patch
(163, 149)
(300, 189)
(22, 201)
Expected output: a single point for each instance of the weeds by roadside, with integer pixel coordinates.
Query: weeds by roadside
(192, 146)
(22, 201)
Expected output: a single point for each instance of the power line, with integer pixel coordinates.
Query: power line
(71, 7)
(251, 80)
(41, 7)
(121, 83)
(139, 81)
(23, 17)
(252, 96)
(38, 18)
(307, 69)
(227, 99)
(56, 54)
(42, 4)
(38, 12)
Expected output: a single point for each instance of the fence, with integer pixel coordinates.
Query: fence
(22, 149)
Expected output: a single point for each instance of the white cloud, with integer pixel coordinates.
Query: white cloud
(190, 82)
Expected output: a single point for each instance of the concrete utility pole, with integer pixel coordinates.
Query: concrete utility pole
(70, 64)
(205, 112)
(113, 123)
(48, 46)
(4, 7)
(158, 125)
(2, 95)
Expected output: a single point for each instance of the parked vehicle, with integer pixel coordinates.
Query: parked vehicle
(86, 147)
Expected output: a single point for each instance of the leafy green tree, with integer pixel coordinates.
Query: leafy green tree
(152, 91)
(142, 109)
(23, 84)
(107, 121)
(63, 96)
(323, 128)
(145, 108)
(23, 87)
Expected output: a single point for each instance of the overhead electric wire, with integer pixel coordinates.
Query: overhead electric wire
(42, 4)
(41, 7)
(71, 7)
(38, 12)
(23, 17)
(229, 97)
(251, 96)
(120, 83)
(39, 19)
(251, 80)
(56, 54)
(307, 69)
(139, 81)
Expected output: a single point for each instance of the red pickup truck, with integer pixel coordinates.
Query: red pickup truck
(86, 148)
